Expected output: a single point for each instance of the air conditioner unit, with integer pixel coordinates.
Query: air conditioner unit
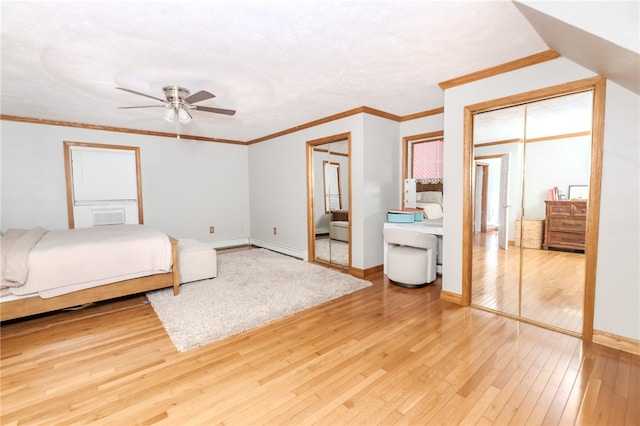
(107, 216)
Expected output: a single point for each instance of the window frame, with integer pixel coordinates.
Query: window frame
(439, 163)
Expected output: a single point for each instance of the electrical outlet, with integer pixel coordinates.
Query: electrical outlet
(212, 229)
(275, 230)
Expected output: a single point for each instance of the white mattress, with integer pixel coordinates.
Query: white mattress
(70, 260)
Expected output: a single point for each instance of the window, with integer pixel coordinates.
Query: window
(427, 159)
(332, 196)
(103, 184)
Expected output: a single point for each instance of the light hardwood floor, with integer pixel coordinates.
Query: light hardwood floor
(383, 355)
(552, 282)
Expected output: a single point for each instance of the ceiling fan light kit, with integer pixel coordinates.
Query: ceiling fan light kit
(178, 103)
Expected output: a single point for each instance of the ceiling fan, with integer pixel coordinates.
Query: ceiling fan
(178, 102)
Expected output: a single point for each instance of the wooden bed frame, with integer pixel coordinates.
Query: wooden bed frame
(36, 305)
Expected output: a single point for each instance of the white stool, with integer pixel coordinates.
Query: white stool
(196, 261)
(411, 258)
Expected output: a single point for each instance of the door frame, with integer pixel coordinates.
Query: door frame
(505, 207)
(598, 85)
(483, 188)
(311, 226)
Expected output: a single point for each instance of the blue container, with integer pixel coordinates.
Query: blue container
(407, 217)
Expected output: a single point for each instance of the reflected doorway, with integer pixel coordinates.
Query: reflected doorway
(328, 200)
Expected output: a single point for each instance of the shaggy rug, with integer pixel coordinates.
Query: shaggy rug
(338, 252)
(253, 288)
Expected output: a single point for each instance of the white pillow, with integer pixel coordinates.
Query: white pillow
(431, 210)
(429, 197)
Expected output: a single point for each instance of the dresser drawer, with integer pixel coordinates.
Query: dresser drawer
(580, 210)
(559, 239)
(564, 224)
(560, 210)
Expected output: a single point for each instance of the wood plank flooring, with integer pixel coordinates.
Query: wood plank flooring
(552, 282)
(383, 355)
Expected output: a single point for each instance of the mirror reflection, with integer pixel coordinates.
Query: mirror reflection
(529, 230)
(331, 198)
(332, 193)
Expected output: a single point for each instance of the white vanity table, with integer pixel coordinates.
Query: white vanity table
(420, 227)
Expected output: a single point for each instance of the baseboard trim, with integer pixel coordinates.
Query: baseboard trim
(451, 297)
(289, 251)
(363, 273)
(356, 272)
(614, 341)
(236, 242)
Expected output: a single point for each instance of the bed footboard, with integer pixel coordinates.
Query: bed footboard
(36, 305)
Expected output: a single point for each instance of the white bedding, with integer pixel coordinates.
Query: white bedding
(69, 260)
(431, 210)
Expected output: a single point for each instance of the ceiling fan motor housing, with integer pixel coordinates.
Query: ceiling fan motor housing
(175, 93)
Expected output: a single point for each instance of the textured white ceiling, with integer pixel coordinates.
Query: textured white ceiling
(278, 63)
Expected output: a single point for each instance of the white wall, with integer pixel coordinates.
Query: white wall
(617, 308)
(375, 186)
(560, 162)
(278, 187)
(618, 253)
(616, 21)
(381, 184)
(187, 186)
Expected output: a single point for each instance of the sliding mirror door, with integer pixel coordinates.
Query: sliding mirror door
(328, 186)
(498, 153)
(557, 161)
(531, 177)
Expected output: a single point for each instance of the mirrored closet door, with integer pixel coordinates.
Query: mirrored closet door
(328, 187)
(531, 183)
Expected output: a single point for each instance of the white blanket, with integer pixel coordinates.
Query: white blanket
(15, 248)
(70, 260)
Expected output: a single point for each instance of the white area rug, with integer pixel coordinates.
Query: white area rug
(253, 288)
(339, 253)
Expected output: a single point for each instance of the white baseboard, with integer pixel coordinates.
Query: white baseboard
(228, 243)
(290, 251)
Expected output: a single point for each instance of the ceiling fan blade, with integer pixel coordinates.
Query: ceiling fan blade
(199, 96)
(141, 106)
(141, 94)
(216, 110)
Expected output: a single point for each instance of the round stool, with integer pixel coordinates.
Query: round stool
(408, 266)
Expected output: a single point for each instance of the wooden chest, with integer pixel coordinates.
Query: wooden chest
(565, 224)
(532, 233)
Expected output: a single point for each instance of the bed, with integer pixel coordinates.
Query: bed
(49, 270)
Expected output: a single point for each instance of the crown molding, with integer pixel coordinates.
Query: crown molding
(114, 129)
(328, 119)
(527, 61)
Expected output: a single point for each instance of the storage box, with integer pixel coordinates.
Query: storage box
(399, 216)
(532, 233)
(418, 214)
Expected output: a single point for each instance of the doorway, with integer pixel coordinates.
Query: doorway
(329, 200)
(518, 281)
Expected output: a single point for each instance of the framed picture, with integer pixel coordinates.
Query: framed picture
(578, 192)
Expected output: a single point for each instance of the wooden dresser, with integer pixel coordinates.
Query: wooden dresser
(565, 224)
